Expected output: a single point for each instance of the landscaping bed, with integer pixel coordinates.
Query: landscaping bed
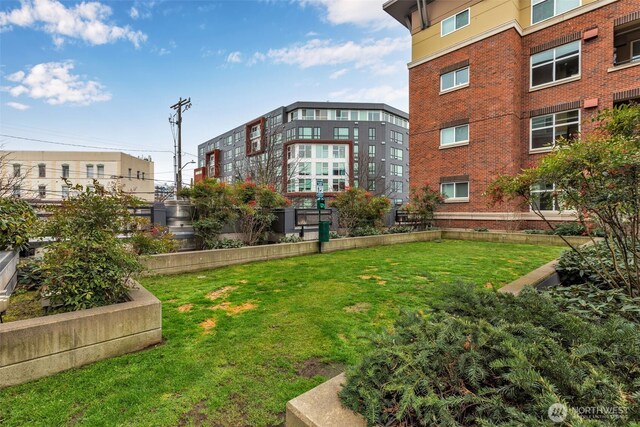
(241, 341)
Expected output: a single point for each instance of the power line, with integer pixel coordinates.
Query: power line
(81, 145)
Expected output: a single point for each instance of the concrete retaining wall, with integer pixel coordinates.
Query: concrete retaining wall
(528, 239)
(35, 348)
(381, 240)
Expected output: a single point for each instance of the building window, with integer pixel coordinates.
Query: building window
(626, 43)
(291, 134)
(544, 198)
(545, 9)
(396, 153)
(101, 171)
(545, 130)
(227, 155)
(42, 170)
(455, 190)
(322, 183)
(130, 172)
(356, 149)
(237, 152)
(454, 23)
(372, 134)
(454, 135)
(304, 168)
(454, 79)
(309, 133)
(65, 171)
(322, 151)
(371, 167)
(339, 185)
(340, 133)
(339, 152)
(304, 151)
(397, 137)
(356, 132)
(397, 186)
(65, 191)
(304, 184)
(371, 185)
(396, 170)
(556, 64)
(16, 171)
(322, 168)
(90, 171)
(42, 191)
(227, 168)
(142, 174)
(339, 169)
(137, 174)
(372, 151)
(17, 192)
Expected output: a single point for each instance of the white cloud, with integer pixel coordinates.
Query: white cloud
(338, 74)
(85, 21)
(133, 13)
(234, 57)
(17, 106)
(363, 13)
(53, 82)
(367, 54)
(257, 57)
(384, 93)
(163, 52)
(312, 34)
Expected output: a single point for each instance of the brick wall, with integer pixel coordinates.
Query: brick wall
(498, 101)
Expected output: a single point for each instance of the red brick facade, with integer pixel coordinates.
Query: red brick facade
(498, 104)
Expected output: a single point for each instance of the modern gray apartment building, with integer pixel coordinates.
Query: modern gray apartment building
(298, 147)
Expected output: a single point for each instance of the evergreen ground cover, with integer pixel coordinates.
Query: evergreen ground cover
(241, 341)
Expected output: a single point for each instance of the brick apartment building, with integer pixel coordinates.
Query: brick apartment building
(493, 83)
(296, 147)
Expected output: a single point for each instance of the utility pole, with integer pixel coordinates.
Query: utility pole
(179, 107)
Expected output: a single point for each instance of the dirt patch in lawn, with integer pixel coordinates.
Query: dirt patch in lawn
(196, 415)
(184, 308)
(221, 292)
(23, 306)
(314, 366)
(358, 308)
(234, 309)
(208, 324)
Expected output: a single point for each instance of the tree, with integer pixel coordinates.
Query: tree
(423, 203)
(255, 204)
(358, 208)
(18, 222)
(597, 176)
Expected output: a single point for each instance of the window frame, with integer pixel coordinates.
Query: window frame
(631, 46)
(455, 198)
(42, 170)
(553, 126)
(456, 143)
(65, 168)
(453, 17)
(555, 12)
(553, 61)
(554, 200)
(89, 167)
(455, 86)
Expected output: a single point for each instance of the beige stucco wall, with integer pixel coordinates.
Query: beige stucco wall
(485, 16)
(116, 166)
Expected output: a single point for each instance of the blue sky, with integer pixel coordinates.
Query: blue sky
(105, 73)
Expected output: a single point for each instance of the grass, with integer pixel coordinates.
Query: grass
(277, 330)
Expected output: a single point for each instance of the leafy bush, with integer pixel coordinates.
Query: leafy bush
(399, 229)
(291, 239)
(595, 304)
(334, 235)
(227, 244)
(491, 359)
(17, 223)
(88, 265)
(534, 232)
(570, 229)
(422, 205)
(365, 231)
(358, 208)
(30, 274)
(595, 264)
(255, 204)
(481, 229)
(149, 239)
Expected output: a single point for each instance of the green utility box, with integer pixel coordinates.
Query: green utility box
(324, 231)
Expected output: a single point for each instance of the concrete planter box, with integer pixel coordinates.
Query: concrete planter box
(346, 243)
(501, 237)
(35, 348)
(8, 272)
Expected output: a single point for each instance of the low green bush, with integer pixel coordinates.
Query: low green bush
(595, 304)
(481, 229)
(30, 274)
(335, 235)
(399, 229)
(569, 229)
(365, 231)
(227, 244)
(151, 239)
(291, 239)
(535, 232)
(488, 359)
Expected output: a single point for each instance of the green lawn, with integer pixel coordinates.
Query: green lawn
(282, 328)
